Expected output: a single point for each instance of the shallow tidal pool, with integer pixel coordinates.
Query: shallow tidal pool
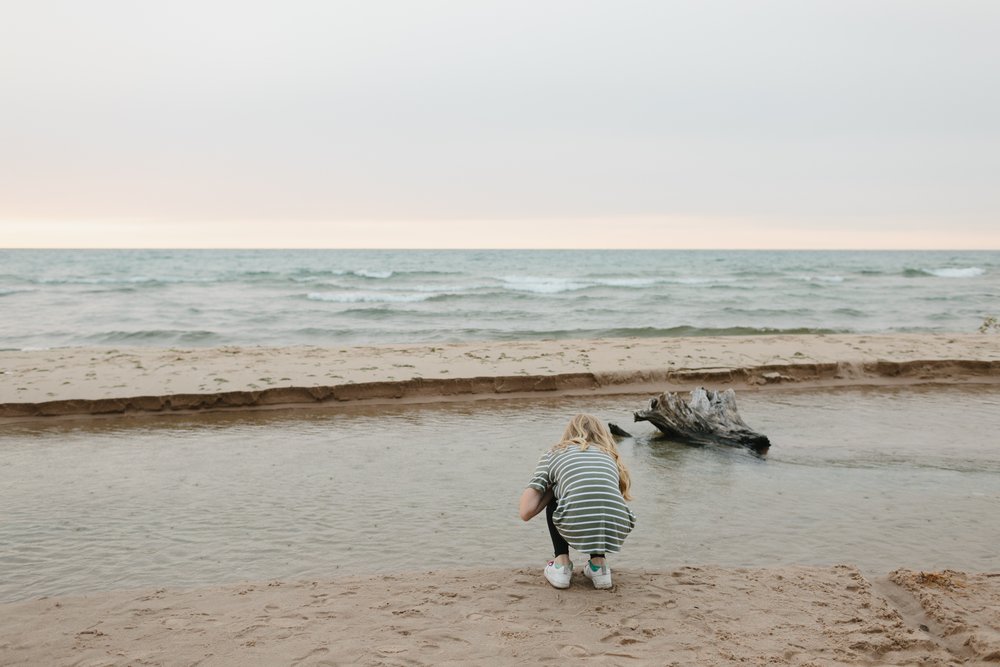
(880, 478)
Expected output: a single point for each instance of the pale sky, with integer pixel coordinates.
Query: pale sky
(484, 123)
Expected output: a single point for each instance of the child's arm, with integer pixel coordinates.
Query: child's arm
(534, 501)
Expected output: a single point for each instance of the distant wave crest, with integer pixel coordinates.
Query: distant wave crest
(542, 285)
(822, 279)
(362, 273)
(950, 272)
(625, 282)
(368, 297)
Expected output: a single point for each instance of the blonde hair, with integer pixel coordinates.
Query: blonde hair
(585, 430)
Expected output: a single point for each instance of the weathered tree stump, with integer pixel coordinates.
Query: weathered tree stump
(709, 417)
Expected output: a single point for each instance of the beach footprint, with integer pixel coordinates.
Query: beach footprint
(312, 656)
(573, 651)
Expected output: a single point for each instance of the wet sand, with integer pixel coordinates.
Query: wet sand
(90, 381)
(683, 616)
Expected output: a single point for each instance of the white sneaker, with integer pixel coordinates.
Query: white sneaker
(601, 576)
(558, 575)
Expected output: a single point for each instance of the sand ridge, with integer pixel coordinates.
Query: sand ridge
(82, 381)
(815, 616)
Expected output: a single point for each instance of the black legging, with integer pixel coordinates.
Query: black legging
(559, 545)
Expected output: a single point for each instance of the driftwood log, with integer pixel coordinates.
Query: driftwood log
(708, 417)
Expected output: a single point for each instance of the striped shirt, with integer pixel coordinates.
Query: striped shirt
(591, 514)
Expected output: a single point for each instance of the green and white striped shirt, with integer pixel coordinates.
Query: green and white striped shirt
(591, 514)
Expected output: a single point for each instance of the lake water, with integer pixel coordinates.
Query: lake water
(189, 298)
(879, 478)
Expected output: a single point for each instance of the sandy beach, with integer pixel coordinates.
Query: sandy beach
(85, 381)
(680, 615)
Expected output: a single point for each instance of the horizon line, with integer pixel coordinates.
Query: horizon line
(504, 248)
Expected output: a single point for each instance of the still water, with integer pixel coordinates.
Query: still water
(879, 478)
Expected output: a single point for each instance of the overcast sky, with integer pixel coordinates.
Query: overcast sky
(726, 123)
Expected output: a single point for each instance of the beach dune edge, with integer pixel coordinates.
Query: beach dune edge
(96, 381)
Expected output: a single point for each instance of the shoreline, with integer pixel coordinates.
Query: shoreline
(695, 615)
(41, 384)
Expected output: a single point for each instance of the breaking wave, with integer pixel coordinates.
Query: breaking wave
(967, 272)
(368, 297)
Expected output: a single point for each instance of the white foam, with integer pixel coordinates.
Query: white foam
(822, 279)
(691, 280)
(447, 289)
(626, 282)
(373, 274)
(368, 297)
(313, 277)
(970, 272)
(552, 285)
(542, 285)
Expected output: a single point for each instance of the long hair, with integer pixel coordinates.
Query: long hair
(585, 430)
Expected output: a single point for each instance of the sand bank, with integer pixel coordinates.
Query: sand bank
(67, 381)
(687, 616)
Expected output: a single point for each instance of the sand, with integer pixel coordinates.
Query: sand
(91, 381)
(497, 616)
(684, 616)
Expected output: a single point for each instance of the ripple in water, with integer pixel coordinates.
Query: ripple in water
(878, 478)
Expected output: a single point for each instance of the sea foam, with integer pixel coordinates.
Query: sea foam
(542, 285)
(969, 272)
(368, 297)
(947, 272)
(373, 274)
